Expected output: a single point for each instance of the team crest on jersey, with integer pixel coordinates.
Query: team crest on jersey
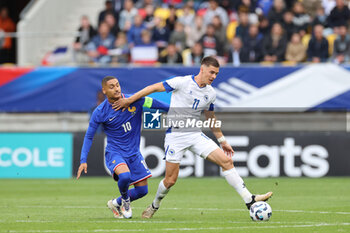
(206, 98)
(113, 161)
(132, 110)
(171, 152)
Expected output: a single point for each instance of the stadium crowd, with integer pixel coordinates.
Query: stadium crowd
(239, 31)
(235, 31)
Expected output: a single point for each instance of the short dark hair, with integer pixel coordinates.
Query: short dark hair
(210, 61)
(106, 79)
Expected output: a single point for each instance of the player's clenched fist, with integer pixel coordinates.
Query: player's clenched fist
(82, 167)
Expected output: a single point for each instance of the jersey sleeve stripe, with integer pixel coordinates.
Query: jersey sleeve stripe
(211, 107)
(167, 87)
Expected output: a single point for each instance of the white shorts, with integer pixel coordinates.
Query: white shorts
(176, 144)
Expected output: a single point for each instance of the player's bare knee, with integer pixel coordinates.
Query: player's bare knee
(227, 164)
(168, 183)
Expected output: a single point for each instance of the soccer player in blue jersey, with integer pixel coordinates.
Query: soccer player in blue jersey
(123, 157)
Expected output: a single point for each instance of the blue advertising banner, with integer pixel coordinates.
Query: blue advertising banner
(253, 88)
(36, 155)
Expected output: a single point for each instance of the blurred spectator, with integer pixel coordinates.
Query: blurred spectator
(210, 43)
(146, 38)
(121, 54)
(265, 6)
(274, 45)
(176, 3)
(310, 6)
(276, 12)
(170, 56)
(127, 15)
(320, 17)
(317, 50)
(301, 20)
(247, 6)
(195, 31)
(220, 30)
(118, 5)
(134, 34)
(171, 20)
(253, 44)
(143, 3)
(86, 33)
(188, 16)
(229, 6)
(98, 48)
(288, 24)
(340, 14)
(178, 37)
(243, 27)
(6, 25)
(328, 6)
(264, 25)
(196, 55)
(113, 25)
(215, 9)
(296, 51)
(237, 55)
(160, 33)
(148, 16)
(109, 9)
(341, 49)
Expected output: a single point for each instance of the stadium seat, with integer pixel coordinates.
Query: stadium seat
(331, 38)
(231, 30)
(186, 58)
(305, 40)
(162, 13)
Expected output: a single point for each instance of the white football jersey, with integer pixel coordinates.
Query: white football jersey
(188, 100)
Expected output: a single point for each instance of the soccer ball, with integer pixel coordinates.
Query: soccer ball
(260, 211)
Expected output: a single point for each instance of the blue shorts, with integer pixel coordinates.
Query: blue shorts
(136, 164)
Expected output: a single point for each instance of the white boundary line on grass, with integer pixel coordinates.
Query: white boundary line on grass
(199, 209)
(112, 220)
(185, 229)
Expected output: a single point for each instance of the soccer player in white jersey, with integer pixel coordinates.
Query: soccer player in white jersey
(193, 94)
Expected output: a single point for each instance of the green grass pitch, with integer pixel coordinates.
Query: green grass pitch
(193, 205)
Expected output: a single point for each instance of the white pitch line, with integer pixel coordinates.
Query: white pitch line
(199, 209)
(188, 228)
(145, 221)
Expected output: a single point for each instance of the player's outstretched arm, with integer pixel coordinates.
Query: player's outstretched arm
(82, 167)
(218, 134)
(124, 103)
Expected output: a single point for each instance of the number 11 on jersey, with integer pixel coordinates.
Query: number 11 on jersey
(195, 104)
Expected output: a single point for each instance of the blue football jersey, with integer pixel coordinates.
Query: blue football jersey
(123, 128)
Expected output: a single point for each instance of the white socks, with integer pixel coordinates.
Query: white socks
(161, 193)
(237, 183)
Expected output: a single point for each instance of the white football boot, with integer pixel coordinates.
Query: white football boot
(115, 209)
(149, 211)
(259, 197)
(126, 208)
